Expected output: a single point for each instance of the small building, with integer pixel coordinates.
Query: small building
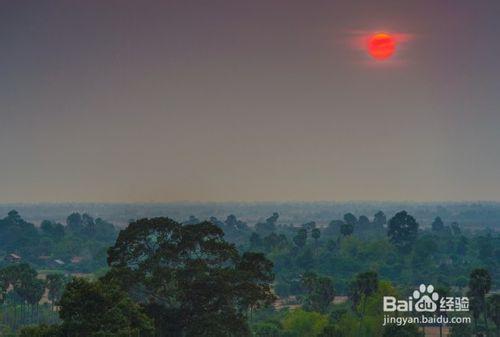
(76, 259)
(433, 331)
(340, 299)
(12, 258)
(58, 262)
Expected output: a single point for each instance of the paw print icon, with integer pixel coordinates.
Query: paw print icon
(426, 298)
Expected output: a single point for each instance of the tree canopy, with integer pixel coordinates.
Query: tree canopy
(189, 278)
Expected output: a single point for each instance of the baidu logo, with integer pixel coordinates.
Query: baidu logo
(425, 299)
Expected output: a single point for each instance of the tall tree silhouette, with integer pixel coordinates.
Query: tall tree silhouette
(479, 286)
(402, 230)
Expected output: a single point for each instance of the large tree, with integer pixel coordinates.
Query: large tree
(379, 220)
(364, 285)
(363, 223)
(300, 238)
(316, 234)
(96, 309)
(55, 285)
(437, 225)
(320, 292)
(403, 230)
(350, 219)
(189, 279)
(346, 229)
(23, 280)
(269, 226)
(479, 286)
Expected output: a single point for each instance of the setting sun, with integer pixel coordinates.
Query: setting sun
(381, 46)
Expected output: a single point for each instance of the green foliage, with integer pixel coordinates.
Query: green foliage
(437, 225)
(55, 285)
(362, 287)
(267, 227)
(41, 331)
(493, 306)
(403, 230)
(320, 292)
(350, 219)
(480, 282)
(316, 234)
(95, 309)
(461, 330)
(52, 230)
(331, 331)
(379, 219)
(24, 282)
(268, 329)
(189, 278)
(346, 229)
(408, 330)
(305, 323)
(83, 236)
(17, 235)
(300, 238)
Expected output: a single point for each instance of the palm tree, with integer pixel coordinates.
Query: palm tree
(316, 234)
(479, 286)
(346, 229)
(443, 292)
(55, 285)
(475, 307)
(361, 288)
(493, 304)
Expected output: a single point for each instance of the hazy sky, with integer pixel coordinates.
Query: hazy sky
(247, 100)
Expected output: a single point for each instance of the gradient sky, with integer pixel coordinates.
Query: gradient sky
(247, 100)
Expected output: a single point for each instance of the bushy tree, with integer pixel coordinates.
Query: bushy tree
(55, 285)
(300, 238)
(403, 230)
(437, 225)
(41, 331)
(364, 285)
(95, 309)
(190, 280)
(379, 220)
(350, 219)
(255, 241)
(346, 229)
(331, 331)
(52, 229)
(364, 222)
(269, 226)
(316, 234)
(74, 222)
(17, 234)
(305, 323)
(320, 292)
(408, 330)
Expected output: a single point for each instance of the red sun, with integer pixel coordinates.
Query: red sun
(381, 46)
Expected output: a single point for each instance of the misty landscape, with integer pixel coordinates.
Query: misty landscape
(264, 168)
(304, 269)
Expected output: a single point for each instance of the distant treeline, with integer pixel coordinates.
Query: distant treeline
(78, 245)
(469, 214)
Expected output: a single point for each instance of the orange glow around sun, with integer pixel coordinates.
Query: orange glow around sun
(381, 46)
